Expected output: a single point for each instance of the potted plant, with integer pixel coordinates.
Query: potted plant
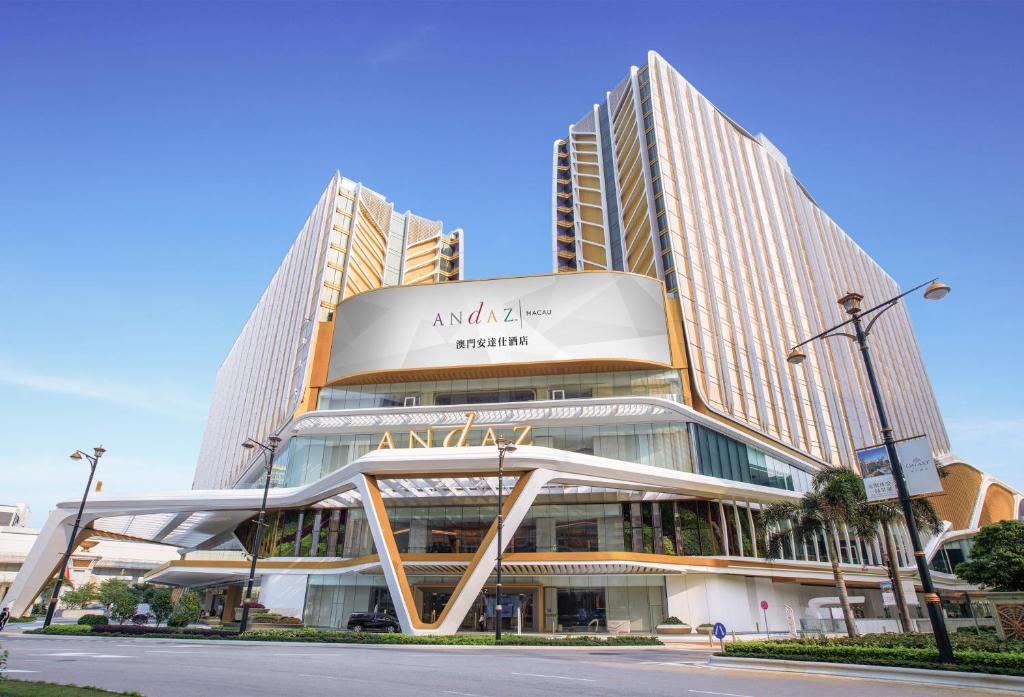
(673, 625)
(705, 628)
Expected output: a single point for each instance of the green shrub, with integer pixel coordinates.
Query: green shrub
(186, 610)
(673, 620)
(338, 637)
(93, 619)
(983, 629)
(62, 629)
(838, 651)
(328, 636)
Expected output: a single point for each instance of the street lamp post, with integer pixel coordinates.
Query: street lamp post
(851, 302)
(503, 447)
(268, 451)
(93, 459)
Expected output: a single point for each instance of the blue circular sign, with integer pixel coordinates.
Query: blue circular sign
(719, 630)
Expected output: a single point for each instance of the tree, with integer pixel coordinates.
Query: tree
(119, 597)
(77, 598)
(997, 557)
(836, 498)
(111, 589)
(161, 604)
(886, 514)
(186, 610)
(124, 604)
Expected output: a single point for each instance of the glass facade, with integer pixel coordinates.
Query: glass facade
(305, 459)
(723, 457)
(641, 383)
(589, 527)
(575, 604)
(298, 533)
(691, 527)
(950, 554)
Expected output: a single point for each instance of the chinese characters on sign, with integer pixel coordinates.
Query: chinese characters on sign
(492, 342)
(919, 469)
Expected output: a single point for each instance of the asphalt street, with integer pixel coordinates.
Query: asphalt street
(160, 668)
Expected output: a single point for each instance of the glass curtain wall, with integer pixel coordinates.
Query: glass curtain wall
(305, 459)
(332, 598)
(725, 458)
(297, 533)
(646, 383)
(579, 604)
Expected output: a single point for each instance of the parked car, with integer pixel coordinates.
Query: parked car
(373, 622)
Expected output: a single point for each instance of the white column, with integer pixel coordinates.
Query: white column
(753, 530)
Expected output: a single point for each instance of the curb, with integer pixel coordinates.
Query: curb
(326, 644)
(948, 678)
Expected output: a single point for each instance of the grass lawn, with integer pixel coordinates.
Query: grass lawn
(26, 688)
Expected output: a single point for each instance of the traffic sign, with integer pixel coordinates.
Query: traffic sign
(718, 630)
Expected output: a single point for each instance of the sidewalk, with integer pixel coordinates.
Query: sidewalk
(922, 676)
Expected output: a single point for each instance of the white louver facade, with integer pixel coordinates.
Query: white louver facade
(353, 241)
(656, 180)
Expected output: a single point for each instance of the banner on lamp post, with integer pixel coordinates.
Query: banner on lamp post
(919, 469)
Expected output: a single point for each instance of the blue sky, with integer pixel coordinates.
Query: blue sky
(156, 161)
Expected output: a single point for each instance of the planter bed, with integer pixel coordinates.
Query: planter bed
(337, 637)
(968, 659)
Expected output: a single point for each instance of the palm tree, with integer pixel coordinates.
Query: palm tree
(885, 514)
(836, 497)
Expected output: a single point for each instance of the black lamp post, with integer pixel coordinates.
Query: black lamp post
(503, 447)
(269, 451)
(93, 459)
(851, 302)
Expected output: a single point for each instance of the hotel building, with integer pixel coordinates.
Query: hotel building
(353, 241)
(644, 384)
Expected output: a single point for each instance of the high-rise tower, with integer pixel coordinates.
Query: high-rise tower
(655, 180)
(352, 242)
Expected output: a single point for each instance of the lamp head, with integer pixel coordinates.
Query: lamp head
(796, 357)
(248, 445)
(501, 441)
(851, 303)
(77, 455)
(98, 451)
(274, 440)
(936, 290)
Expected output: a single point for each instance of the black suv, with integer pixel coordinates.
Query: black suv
(373, 622)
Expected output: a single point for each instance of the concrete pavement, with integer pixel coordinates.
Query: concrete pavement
(166, 668)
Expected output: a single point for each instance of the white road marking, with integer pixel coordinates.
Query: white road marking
(330, 677)
(463, 694)
(13, 670)
(175, 651)
(556, 677)
(722, 694)
(79, 654)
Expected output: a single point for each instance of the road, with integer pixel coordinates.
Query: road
(165, 668)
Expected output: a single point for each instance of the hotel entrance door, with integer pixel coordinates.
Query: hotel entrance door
(516, 601)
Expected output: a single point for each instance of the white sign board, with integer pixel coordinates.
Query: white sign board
(909, 592)
(888, 596)
(917, 462)
(585, 316)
